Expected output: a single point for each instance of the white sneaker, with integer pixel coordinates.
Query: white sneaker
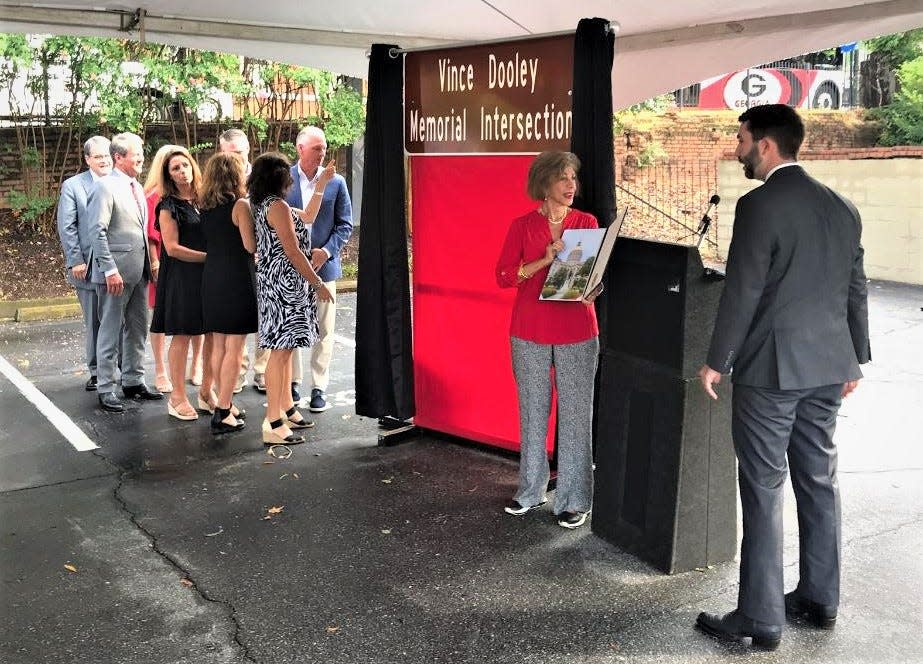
(516, 509)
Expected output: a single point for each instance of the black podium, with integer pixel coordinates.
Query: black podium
(665, 467)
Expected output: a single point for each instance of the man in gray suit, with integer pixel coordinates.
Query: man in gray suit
(74, 231)
(121, 269)
(793, 326)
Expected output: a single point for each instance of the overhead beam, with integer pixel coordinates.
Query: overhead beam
(111, 21)
(754, 27)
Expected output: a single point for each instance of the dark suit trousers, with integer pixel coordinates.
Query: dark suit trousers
(767, 426)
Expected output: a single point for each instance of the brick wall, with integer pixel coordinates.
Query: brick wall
(692, 136)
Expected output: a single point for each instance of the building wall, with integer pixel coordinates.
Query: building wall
(689, 135)
(887, 192)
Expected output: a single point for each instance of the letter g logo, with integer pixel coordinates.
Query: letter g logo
(753, 85)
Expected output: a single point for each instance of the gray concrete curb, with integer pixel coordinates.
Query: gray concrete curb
(68, 307)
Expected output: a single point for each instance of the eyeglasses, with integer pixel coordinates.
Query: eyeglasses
(100, 156)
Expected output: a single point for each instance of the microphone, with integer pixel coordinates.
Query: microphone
(706, 220)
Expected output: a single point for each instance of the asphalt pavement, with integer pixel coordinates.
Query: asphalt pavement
(167, 545)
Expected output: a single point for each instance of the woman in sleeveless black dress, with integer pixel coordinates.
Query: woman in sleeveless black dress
(178, 306)
(284, 273)
(228, 279)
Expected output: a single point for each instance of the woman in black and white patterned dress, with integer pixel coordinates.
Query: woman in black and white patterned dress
(286, 287)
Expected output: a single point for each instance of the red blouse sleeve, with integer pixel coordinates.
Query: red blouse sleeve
(510, 257)
(153, 233)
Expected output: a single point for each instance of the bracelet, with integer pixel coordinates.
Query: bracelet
(522, 273)
(318, 193)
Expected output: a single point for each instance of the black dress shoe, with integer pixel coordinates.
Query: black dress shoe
(821, 616)
(736, 627)
(110, 402)
(141, 391)
(91, 384)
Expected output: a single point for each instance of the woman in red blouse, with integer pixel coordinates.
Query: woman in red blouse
(154, 243)
(546, 334)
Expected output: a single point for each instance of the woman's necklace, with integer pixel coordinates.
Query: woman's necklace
(557, 222)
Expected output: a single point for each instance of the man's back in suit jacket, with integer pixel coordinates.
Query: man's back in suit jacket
(793, 314)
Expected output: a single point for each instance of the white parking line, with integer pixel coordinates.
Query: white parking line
(52, 413)
(346, 341)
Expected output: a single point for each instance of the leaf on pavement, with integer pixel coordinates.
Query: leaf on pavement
(186, 583)
(70, 568)
(333, 629)
(279, 451)
(275, 510)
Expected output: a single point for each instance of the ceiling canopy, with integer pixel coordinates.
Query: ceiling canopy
(660, 46)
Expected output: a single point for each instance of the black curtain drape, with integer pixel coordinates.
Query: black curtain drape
(384, 355)
(592, 140)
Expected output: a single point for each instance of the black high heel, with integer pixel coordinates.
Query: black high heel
(300, 423)
(270, 437)
(218, 426)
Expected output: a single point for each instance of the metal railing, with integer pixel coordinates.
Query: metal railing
(667, 201)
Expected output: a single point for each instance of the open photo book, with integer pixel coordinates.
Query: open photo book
(579, 266)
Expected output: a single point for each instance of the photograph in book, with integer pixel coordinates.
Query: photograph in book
(579, 266)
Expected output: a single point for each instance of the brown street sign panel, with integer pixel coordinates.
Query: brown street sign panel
(511, 98)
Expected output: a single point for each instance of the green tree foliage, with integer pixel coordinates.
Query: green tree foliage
(344, 116)
(305, 96)
(113, 85)
(902, 119)
(898, 48)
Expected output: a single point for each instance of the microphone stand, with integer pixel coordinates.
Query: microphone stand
(703, 229)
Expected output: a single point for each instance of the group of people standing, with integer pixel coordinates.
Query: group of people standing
(218, 254)
(792, 324)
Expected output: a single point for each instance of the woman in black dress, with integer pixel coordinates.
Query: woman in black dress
(178, 306)
(228, 279)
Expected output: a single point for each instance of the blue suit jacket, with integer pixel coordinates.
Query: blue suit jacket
(334, 222)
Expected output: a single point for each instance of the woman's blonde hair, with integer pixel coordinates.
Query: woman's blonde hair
(548, 167)
(154, 175)
(223, 180)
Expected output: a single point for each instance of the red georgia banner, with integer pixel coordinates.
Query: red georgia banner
(461, 210)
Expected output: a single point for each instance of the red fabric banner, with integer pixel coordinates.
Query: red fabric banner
(462, 207)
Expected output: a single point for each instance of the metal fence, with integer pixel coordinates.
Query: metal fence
(666, 201)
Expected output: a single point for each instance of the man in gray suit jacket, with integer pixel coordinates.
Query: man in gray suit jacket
(121, 270)
(793, 326)
(74, 231)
